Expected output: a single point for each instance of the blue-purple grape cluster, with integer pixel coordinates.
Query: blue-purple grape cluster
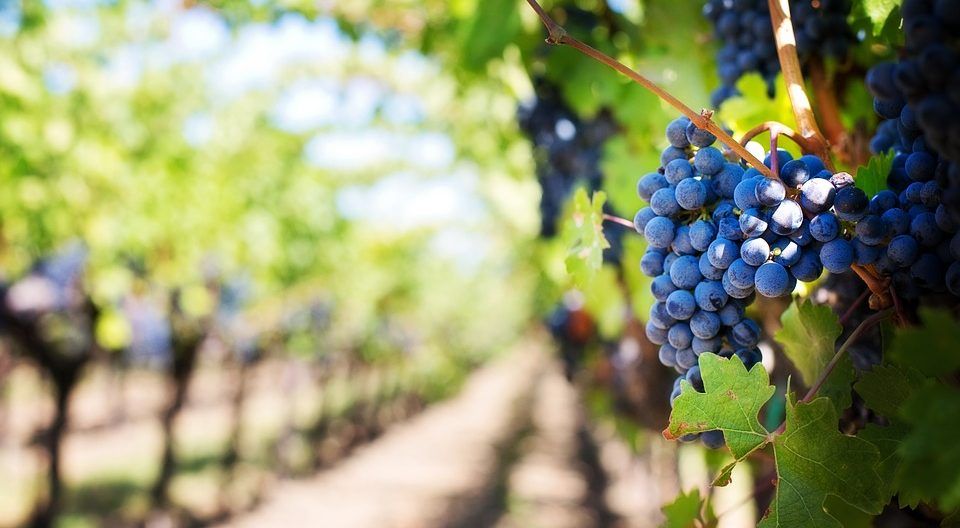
(719, 234)
(912, 226)
(748, 45)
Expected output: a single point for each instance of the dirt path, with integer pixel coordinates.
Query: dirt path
(430, 471)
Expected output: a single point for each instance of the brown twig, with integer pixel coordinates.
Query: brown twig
(557, 35)
(853, 307)
(781, 129)
(867, 323)
(617, 220)
(793, 76)
(829, 111)
(881, 297)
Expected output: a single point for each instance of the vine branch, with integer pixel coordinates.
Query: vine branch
(557, 35)
(793, 76)
(867, 323)
(776, 127)
(618, 220)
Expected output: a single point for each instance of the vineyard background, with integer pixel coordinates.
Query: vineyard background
(301, 263)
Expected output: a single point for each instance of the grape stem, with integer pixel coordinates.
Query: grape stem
(617, 220)
(776, 127)
(557, 35)
(793, 76)
(867, 324)
(853, 307)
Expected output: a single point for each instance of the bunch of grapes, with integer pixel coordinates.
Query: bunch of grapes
(568, 151)
(912, 225)
(744, 28)
(719, 234)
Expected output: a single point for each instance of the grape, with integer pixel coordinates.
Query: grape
(660, 317)
(772, 280)
(659, 232)
(865, 254)
(729, 228)
(786, 218)
(681, 305)
(657, 336)
(708, 270)
(755, 251)
(731, 314)
(709, 161)
(851, 204)
(928, 272)
(710, 296)
(680, 336)
(652, 262)
(699, 137)
(802, 236)
(746, 333)
(677, 170)
(753, 223)
(883, 201)
(664, 202)
(920, 166)
(749, 356)
(686, 358)
(770, 192)
(924, 228)
(745, 193)
(681, 241)
(668, 355)
(661, 287)
(703, 346)
(702, 234)
(785, 252)
(903, 250)
(795, 173)
(705, 324)
(824, 227)
(836, 255)
(685, 272)
(712, 439)
(650, 184)
(872, 230)
(898, 221)
(672, 153)
(953, 278)
(722, 253)
(677, 132)
(813, 163)
(740, 274)
(817, 195)
(734, 291)
(783, 157)
(725, 183)
(808, 267)
(694, 378)
(691, 194)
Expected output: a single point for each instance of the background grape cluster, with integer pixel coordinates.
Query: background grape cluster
(743, 26)
(913, 223)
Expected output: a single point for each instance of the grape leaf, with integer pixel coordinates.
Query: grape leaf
(930, 452)
(878, 11)
(887, 440)
(930, 348)
(809, 336)
(586, 236)
(885, 387)
(814, 461)
(731, 402)
(684, 511)
(872, 178)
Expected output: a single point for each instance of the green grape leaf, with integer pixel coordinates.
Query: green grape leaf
(684, 511)
(815, 461)
(731, 402)
(586, 236)
(809, 336)
(885, 387)
(930, 348)
(872, 178)
(878, 11)
(495, 24)
(752, 106)
(930, 452)
(887, 440)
